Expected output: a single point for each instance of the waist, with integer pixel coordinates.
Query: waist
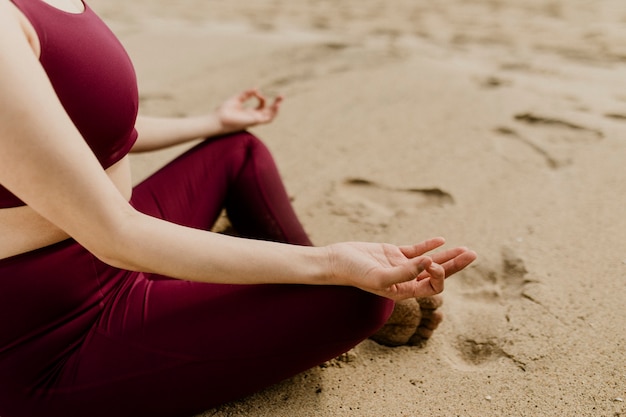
(23, 230)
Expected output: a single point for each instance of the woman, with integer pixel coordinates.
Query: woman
(119, 301)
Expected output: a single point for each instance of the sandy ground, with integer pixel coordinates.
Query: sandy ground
(499, 124)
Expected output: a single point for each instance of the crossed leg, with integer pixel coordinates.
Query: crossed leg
(167, 347)
(412, 322)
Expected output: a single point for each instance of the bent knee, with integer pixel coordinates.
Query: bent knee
(364, 313)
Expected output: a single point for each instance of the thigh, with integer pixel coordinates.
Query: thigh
(162, 347)
(50, 299)
(191, 189)
(235, 172)
(191, 346)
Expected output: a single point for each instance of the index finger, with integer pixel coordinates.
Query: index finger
(426, 287)
(245, 95)
(419, 249)
(453, 260)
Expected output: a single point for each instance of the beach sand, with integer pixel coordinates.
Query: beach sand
(498, 124)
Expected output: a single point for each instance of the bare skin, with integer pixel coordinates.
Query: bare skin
(431, 317)
(412, 322)
(70, 6)
(45, 161)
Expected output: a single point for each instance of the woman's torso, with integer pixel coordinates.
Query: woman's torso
(21, 228)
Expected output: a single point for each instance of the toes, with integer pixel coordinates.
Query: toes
(412, 322)
(421, 334)
(431, 318)
(405, 318)
(430, 303)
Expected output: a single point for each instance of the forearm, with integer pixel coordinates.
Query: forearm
(153, 245)
(232, 116)
(162, 132)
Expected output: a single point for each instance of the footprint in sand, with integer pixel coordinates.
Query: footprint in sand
(148, 100)
(295, 67)
(481, 320)
(493, 82)
(365, 201)
(373, 207)
(550, 160)
(564, 130)
(549, 138)
(145, 97)
(621, 117)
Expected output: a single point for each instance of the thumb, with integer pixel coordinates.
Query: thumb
(406, 271)
(416, 286)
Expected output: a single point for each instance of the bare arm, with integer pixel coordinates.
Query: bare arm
(231, 116)
(45, 161)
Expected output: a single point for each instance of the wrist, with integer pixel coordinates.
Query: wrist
(328, 260)
(326, 274)
(314, 265)
(210, 124)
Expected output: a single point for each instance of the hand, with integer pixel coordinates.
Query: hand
(234, 115)
(452, 260)
(397, 272)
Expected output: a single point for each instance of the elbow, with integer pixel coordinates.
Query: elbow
(114, 243)
(116, 259)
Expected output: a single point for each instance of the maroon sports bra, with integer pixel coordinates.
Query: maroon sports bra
(92, 76)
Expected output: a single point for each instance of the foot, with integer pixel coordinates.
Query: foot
(431, 319)
(412, 322)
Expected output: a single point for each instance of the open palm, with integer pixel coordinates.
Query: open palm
(397, 272)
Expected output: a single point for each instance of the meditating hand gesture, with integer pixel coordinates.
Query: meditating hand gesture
(397, 272)
(234, 114)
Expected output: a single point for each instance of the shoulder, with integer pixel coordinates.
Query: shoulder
(14, 17)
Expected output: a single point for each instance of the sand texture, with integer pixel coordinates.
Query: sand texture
(499, 124)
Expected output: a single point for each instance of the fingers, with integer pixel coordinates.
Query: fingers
(270, 112)
(247, 94)
(262, 112)
(407, 271)
(405, 284)
(262, 100)
(436, 280)
(423, 275)
(460, 262)
(453, 260)
(448, 254)
(276, 104)
(412, 269)
(423, 247)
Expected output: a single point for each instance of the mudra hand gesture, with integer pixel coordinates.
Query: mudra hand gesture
(234, 114)
(397, 272)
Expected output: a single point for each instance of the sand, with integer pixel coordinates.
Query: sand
(499, 124)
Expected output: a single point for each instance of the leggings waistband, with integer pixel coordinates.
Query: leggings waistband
(37, 253)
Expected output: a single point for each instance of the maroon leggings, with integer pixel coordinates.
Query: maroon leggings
(81, 338)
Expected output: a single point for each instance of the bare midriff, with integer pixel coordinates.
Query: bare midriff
(23, 230)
